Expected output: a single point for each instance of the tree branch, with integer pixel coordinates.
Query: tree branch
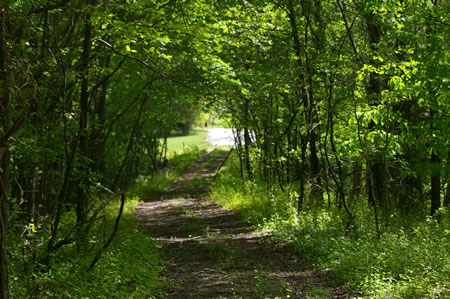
(49, 7)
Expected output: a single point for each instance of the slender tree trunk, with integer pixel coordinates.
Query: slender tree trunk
(82, 198)
(434, 159)
(130, 142)
(377, 181)
(447, 194)
(247, 142)
(97, 136)
(308, 103)
(239, 150)
(302, 173)
(5, 105)
(435, 185)
(356, 179)
(314, 10)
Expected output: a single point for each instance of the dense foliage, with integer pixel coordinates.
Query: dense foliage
(410, 260)
(130, 269)
(343, 104)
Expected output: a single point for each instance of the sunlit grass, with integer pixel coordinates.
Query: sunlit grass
(411, 260)
(196, 138)
(164, 179)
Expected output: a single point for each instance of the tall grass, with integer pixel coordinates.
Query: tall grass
(411, 260)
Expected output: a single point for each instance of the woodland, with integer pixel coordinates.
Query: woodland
(340, 110)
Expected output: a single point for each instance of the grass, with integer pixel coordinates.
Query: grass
(253, 201)
(130, 268)
(163, 180)
(183, 151)
(196, 138)
(411, 260)
(319, 293)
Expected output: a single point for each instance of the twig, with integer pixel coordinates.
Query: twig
(113, 234)
(88, 227)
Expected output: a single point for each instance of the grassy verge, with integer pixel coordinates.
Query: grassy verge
(411, 260)
(164, 179)
(183, 151)
(196, 139)
(129, 269)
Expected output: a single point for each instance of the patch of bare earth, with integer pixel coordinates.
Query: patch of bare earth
(210, 252)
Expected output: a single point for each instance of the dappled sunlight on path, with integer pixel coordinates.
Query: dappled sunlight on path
(210, 253)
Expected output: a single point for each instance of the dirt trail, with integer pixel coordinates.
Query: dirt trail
(210, 253)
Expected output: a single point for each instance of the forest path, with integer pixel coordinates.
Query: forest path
(209, 252)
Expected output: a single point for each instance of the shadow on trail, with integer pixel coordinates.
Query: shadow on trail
(210, 252)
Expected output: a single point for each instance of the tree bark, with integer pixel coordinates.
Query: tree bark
(356, 179)
(247, 141)
(309, 106)
(377, 181)
(82, 198)
(97, 136)
(5, 104)
(447, 194)
(435, 185)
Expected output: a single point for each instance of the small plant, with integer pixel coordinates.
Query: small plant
(219, 252)
(194, 184)
(153, 184)
(262, 285)
(162, 181)
(186, 212)
(319, 293)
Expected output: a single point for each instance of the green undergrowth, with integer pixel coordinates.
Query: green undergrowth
(216, 155)
(182, 150)
(130, 268)
(251, 199)
(411, 259)
(165, 178)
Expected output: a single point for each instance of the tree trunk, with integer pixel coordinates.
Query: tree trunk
(247, 142)
(356, 179)
(308, 103)
(435, 185)
(5, 104)
(313, 9)
(376, 182)
(97, 136)
(82, 198)
(447, 194)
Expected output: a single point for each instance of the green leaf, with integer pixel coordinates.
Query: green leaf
(168, 57)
